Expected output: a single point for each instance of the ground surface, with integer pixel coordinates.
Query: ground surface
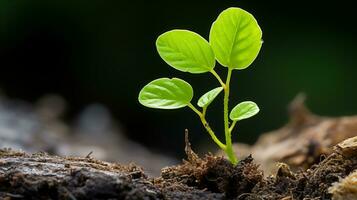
(41, 176)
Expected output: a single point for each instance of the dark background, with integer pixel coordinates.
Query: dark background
(103, 51)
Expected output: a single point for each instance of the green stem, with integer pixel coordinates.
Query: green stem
(218, 78)
(207, 127)
(204, 110)
(195, 109)
(232, 126)
(229, 150)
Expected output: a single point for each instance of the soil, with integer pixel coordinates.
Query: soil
(42, 176)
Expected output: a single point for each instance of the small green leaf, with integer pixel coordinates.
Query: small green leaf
(186, 51)
(207, 98)
(235, 38)
(244, 110)
(165, 93)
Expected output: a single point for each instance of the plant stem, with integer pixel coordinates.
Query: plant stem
(232, 126)
(207, 127)
(227, 130)
(204, 110)
(218, 78)
(229, 150)
(195, 109)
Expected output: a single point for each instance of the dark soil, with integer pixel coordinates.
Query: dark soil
(41, 176)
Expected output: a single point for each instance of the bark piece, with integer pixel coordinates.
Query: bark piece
(345, 189)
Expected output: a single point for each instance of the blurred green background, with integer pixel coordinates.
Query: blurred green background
(103, 51)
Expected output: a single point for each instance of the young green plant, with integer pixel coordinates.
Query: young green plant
(235, 40)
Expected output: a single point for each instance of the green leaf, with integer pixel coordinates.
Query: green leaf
(207, 98)
(165, 93)
(244, 110)
(186, 51)
(235, 38)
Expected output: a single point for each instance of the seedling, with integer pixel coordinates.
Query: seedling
(234, 41)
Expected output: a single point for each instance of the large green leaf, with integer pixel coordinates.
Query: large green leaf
(235, 38)
(165, 93)
(207, 98)
(244, 110)
(186, 51)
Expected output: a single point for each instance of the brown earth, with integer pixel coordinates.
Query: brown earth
(42, 176)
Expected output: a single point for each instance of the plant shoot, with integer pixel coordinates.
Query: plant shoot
(234, 42)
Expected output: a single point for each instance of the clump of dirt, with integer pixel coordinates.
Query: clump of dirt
(213, 173)
(310, 184)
